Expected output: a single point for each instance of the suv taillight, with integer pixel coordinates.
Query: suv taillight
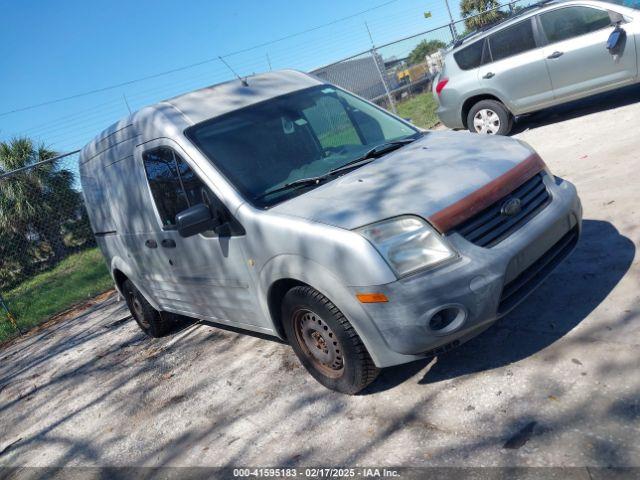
(441, 84)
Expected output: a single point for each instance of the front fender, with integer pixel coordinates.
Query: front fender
(308, 271)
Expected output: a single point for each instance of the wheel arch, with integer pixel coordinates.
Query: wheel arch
(284, 272)
(121, 272)
(275, 297)
(468, 104)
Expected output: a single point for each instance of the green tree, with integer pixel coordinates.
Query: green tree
(35, 203)
(424, 48)
(476, 13)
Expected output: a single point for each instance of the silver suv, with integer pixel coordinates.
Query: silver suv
(545, 55)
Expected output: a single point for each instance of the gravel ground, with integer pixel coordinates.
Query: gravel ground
(553, 383)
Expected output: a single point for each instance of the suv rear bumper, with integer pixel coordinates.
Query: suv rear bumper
(450, 117)
(483, 285)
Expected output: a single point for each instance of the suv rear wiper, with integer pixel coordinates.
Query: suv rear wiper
(372, 154)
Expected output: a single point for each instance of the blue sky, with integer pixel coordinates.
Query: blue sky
(55, 49)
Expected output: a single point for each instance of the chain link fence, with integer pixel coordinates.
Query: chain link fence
(391, 74)
(48, 256)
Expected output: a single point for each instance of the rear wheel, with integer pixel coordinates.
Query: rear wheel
(489, 117)
(148, 318)
(325, 342)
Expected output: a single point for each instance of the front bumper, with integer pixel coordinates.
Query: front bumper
(484, 284)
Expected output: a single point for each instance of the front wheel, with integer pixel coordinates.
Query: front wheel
(489, 117)
(148, 318)
(325, 342)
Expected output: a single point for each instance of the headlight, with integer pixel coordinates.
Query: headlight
(408, 244)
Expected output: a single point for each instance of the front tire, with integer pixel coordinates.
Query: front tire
(150, 321)
(489, 117)
(325, 342)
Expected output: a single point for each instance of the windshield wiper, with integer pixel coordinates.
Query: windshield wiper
(375, 152)
(301, 182)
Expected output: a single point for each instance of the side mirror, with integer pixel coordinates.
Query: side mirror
(196, 219)
(616, 40)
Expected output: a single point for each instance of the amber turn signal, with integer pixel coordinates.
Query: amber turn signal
(372, 297)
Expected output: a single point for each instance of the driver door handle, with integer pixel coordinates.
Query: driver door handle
(489, 75)
(168, 243)
(555, 54)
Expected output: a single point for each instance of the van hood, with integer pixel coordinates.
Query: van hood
(421, 178)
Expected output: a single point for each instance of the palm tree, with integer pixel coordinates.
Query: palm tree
(34, 203)
(478, 13)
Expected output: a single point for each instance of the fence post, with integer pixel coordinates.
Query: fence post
(452, 24)
(10, 316)
(392, 104)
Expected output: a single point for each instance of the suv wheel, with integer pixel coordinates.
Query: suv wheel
(325, 342)
(489, 117)
(148, 318)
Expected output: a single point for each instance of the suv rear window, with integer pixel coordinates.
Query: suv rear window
(512, 40)
(470, 57)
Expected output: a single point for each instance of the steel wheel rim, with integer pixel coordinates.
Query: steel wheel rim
(319, 342)
(137, 310)
(486, 122)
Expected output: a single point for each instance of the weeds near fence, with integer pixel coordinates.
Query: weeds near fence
(78, 277)
(421, 109)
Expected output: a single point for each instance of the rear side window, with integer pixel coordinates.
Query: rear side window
(174, 185)
(569, 22)
(512, 40)
(470, 57)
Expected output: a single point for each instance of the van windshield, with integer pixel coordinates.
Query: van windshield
(301, 135)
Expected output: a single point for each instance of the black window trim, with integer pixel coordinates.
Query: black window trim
(543, 35)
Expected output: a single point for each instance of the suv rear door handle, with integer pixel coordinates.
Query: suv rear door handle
(555, 54)
(151, 244)
(489, 75)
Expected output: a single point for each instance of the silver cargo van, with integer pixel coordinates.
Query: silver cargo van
(287, 206)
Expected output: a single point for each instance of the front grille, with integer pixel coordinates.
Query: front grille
(518, 288)
(491, 226)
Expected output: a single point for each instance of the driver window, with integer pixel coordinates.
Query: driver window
(569, 22)
(174, 185)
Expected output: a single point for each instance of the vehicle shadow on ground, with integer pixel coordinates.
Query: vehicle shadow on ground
(601, 259)
(578, 108)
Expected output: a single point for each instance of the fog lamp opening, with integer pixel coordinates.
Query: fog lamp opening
(446, 319)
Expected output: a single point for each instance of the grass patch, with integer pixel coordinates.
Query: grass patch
(78, 277)
(421, 109)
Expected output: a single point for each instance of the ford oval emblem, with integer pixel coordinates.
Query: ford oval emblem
(511, 207)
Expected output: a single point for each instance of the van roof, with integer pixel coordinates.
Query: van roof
(194, 107)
